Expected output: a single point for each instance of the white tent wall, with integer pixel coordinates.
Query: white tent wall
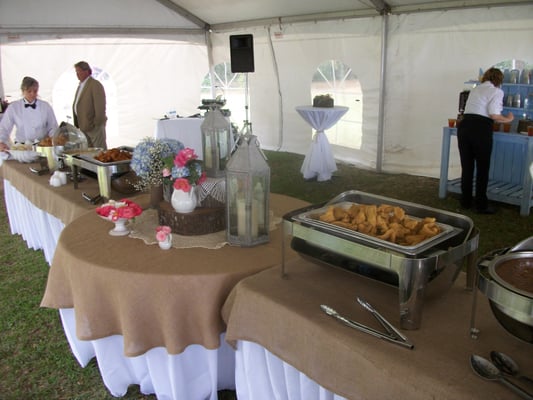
(295, 55)
(430, 56)
(149, 77)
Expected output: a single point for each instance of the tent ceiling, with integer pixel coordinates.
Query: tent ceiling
(189, 16)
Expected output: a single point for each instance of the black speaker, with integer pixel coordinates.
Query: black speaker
(242, 53)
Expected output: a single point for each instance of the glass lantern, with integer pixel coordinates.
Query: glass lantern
(216, 140)
(247, 194)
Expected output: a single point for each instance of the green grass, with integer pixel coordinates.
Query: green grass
(35, 358)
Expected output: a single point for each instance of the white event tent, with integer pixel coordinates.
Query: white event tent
(409, 60)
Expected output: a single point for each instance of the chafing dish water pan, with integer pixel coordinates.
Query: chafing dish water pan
(429, 267)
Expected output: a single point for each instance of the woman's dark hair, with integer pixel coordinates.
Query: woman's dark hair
(493, 75)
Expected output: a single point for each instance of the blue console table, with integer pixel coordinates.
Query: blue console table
(509, 178)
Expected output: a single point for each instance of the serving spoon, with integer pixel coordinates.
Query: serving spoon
(507, 365)
(487, 370)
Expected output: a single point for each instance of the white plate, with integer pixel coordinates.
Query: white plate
(24, 156)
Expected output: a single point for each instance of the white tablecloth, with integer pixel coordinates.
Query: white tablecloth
(39, 229)
(186, 130)
(319, 161)
(260, 375)
(197, 373)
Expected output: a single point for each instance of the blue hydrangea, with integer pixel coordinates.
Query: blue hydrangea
(147, 159)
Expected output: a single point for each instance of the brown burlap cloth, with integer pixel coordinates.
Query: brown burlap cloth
(144, 228)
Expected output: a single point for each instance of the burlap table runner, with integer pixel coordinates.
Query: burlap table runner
(144, 228)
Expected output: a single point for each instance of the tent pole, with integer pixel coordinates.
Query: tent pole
(380, 146)
(209, 45)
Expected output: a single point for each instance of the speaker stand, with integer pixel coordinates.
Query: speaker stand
(247, 125)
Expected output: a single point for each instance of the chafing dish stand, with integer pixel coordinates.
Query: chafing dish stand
(427, 269)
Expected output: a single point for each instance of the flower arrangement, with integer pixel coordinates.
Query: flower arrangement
(162, 232)
(184, 170)
(148, 160)
(115, 210)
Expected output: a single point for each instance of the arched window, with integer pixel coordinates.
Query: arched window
(230, 86)
(337, 79)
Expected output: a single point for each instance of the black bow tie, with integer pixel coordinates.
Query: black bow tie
(30, 105)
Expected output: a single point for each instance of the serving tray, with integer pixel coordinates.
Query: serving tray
(310, 218)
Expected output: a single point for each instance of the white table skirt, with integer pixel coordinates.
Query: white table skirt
(186, 130)
(260, 375)
(195, 374)
(39, 229)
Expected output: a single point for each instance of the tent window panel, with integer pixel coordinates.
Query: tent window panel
(337, 79)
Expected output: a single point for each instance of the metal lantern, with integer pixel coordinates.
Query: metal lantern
(216, 140)
(247, 194)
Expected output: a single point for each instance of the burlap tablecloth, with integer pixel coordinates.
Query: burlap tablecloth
(284, 316)
(64, 202)
(153, 297)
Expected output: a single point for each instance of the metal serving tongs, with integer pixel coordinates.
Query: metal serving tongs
(391, 329)
(366, 329)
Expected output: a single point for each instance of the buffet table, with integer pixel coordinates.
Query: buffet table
(152, 317)
(293, 349)
(186, 130)
(37, 211)
(319, 162)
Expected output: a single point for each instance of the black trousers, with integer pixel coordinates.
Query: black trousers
(474, 137)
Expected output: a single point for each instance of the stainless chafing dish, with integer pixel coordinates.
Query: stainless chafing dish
(511, 306)
(428, 268)
(104, 171)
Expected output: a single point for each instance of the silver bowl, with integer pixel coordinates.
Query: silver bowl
(510, 301)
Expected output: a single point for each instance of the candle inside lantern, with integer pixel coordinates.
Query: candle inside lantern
(241, 217)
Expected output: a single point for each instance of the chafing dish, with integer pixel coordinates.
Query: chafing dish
(428, 268)
(104, 171)
(511, 305)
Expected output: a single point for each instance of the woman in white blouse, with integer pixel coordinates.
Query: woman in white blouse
(33, 119)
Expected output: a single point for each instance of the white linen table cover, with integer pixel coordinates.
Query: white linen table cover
(186, 130)
(38, 228)
(319, 161)
(261, 375)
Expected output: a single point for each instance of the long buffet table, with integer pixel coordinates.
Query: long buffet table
(150, 317)
(37, 211)
(153, 317)
(292, 347)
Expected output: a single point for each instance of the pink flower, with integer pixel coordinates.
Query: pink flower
(161, 236)
(105, 210)
(182, 184)
(184, 156)
(119, 209)
(162, 232)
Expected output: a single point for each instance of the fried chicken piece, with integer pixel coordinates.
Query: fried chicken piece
(328, 216)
